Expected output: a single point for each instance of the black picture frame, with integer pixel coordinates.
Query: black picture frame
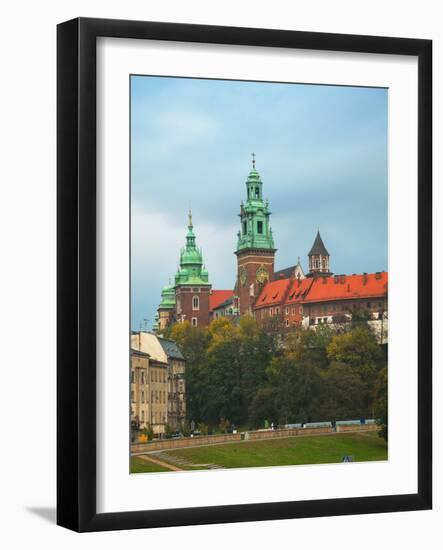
(76, 281)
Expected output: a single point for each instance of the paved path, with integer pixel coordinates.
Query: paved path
(182, 462)
(160, 463)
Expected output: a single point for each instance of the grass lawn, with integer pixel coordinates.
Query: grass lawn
(138, 466)
(320, 449)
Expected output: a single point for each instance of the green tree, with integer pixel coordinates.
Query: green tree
(381, 403)
(360, 350)
(193, 343)
(342, 393)
(263, 407)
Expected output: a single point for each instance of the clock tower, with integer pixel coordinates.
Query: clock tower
(255, 245)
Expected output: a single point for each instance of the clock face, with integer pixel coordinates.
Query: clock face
(243, 276)
(262, 275)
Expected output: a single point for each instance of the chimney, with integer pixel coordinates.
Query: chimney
(378, 275)
(365, 278)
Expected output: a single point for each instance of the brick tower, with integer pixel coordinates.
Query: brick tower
(192, 287)
(255, 245)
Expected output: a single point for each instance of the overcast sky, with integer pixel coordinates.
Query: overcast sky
(321, 152)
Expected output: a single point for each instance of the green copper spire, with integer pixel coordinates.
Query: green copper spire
(191, 270)
(255, 229)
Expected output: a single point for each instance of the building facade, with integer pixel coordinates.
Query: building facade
(288, 296)
(176, 383)
(140, 390)
(158, 393)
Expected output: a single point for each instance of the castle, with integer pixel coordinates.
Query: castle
(288, 295)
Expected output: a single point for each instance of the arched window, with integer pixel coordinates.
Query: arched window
(257, 193)
(195, 303)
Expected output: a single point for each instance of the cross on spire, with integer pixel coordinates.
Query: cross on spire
(190, 219)
(253, 160)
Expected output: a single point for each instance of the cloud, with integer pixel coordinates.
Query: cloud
(321, 152)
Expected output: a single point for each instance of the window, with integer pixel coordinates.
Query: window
(143, 397)
(143, 377)
(244, 228)
(277, 310)
(257, 193)
(132, 376)
(287, 311)
(287, 322)
(300, 309)
(195, 303)
(194, 321)
(260, 227)
(143, 416)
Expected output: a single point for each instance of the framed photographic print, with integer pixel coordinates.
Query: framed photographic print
(244, 274)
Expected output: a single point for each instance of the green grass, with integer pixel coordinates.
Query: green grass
(320, 449)
(139, 466)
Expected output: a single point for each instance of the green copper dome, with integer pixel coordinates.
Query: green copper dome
(168, 297)
(255, 230)
(191, 270)
(156, 325)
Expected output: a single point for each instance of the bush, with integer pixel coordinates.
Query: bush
(168, 431)
(224, 425)
(185, 429)
(202, 428)
(148, 432)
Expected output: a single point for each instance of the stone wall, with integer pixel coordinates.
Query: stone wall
(247, 436)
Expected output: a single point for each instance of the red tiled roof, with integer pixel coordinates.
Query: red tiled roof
(343, 287)
(323, 289)
(217, 297)
(273, 293)
(298, 290)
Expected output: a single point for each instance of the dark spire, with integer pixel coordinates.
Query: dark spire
(318, 248)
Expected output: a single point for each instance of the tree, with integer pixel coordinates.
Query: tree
(193, 343)
(343, 393)
(381, 403)
(360, 350)
(263, 407)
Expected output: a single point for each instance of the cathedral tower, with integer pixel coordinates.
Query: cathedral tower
(166, 309)
(318, 258)
(192, 287)
(255, 244)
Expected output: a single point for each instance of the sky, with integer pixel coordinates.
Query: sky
(321, 152)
